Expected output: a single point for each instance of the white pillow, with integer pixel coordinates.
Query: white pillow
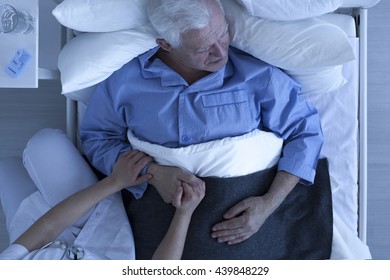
(289, 9)
(360, 3)
(92, 57)
(101, 15)
(345, 22)
(300, 45)
(288, 45)
(320, 81)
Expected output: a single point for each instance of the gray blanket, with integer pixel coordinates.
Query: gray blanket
(301, 228)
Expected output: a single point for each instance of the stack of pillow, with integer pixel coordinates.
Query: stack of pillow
(286, 34)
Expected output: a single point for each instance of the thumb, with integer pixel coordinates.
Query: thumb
(143, 178)
(235, 210)
(176, 200)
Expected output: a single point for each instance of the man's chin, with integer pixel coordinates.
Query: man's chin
(217, 65)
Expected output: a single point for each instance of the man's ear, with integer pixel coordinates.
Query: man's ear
(164, 44)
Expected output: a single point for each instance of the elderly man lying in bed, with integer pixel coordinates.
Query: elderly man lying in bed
(192, 89)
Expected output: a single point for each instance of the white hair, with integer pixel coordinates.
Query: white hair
(171, 18)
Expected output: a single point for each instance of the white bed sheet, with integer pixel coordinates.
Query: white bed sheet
(339, 118)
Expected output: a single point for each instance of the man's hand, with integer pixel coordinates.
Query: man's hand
(246, 217)
(242, 220)
(167, 180)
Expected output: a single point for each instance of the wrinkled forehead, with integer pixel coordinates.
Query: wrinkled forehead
(198, 38)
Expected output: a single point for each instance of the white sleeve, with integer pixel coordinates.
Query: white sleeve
(14, 252)
(19, 252)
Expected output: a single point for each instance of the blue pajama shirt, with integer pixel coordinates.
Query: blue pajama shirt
(159, 106)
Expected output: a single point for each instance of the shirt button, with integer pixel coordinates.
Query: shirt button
(185, 138)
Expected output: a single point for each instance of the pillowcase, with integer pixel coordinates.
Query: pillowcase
(288, 45)
(360, 3)
(345, 22)
(315, 81)
(310, 50)
(289, 9)
(101, 15)
(90, 58)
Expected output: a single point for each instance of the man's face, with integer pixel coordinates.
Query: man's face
(205, 49)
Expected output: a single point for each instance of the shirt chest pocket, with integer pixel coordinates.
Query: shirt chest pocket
(228, 112)
(224, 99)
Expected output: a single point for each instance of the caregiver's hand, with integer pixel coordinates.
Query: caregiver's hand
(166, 180)
(246, 217)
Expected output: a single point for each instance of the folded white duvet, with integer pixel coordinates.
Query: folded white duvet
(229, 157)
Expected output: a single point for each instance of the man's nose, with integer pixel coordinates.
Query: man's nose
(219, 50)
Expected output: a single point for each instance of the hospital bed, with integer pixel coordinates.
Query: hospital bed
(324, 49)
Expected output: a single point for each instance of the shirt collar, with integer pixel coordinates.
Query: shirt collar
(157, 68)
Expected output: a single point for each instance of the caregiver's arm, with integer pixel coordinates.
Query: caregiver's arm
(125, 173)
(185, 199)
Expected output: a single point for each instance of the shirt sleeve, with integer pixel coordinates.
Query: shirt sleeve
(14, 252)
(286, 113)
(104, 134)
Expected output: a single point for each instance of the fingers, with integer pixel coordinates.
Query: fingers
(127, 170)
(237, 239)
(227, 227)
(177, 197)
(142, 179)
(236, 210)
(233, 231)
(194, 192)
(191, 179)
(189, 199)
(136, 159)
(234, 238)
(166, 180)
(242, 221)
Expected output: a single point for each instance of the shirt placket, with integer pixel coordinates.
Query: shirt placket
(184, 133)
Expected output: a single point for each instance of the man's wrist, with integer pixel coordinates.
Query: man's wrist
(282, 185)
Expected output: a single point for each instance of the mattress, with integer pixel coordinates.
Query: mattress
(339, 118)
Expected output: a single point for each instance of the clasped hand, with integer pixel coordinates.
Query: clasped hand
(241, 221)
(167, 179)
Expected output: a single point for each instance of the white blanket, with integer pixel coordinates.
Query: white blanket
(229, 157)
